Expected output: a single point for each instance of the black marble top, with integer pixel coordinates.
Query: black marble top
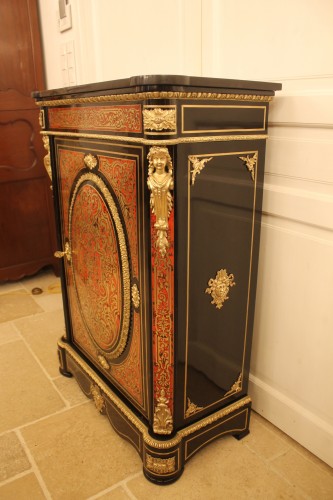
(171, 83)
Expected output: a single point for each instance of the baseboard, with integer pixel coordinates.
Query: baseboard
(300, 424)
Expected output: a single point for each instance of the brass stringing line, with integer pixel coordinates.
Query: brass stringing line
(137, 422)
(187, 456)
(160, 142)
(231, 153)
(251, 258)
(157, 95)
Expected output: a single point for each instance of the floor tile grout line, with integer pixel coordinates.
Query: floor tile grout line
(66, 403)
(308, 459)
(126, 488)
(297, 488)
(122, 484)
(34, 466)
(34, 315)
(41, 419)
(292, 444)
(4, 292)
(270, 466)
(16, 476)
(11, 341)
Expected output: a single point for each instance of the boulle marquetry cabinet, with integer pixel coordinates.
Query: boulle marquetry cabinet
(157, 182)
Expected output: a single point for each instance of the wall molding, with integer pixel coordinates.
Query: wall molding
(299, 205)
(292, 418)
(303, 109)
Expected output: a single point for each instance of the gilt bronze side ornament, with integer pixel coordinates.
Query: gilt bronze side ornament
(97, 397)
(163, 422)
(218, 287)
(47, 159)
(251, 163)
(160, 184)
(197, 166)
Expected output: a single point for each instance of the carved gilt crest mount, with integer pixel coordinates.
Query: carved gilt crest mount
(159, 119)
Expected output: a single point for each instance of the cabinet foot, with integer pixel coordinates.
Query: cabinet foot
(63, 369)
(241, 435)
(65, 373)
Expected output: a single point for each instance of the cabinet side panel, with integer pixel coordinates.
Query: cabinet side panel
(219, 196)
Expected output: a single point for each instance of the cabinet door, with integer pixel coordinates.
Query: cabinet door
(219, 201)
(101, 195)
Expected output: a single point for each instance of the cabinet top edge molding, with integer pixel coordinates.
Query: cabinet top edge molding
(166, 83)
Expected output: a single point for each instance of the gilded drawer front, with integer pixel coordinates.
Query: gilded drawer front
(220, 204)
(223, 118)
(102, 230)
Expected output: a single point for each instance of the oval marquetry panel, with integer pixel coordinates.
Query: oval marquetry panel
(100, 264)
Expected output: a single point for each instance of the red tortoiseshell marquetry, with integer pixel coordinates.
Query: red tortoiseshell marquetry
(97, 267)
(163, 315)
(121, 174)
(118, 118)
(94, 275)
(70, 163)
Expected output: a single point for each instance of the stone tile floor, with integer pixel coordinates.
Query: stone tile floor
(55, 445)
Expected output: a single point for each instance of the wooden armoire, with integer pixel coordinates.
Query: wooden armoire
(27, 228)
(158, 186)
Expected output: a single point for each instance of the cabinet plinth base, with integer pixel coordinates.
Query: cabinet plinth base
(163, 460)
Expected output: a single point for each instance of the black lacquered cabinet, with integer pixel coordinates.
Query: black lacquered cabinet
(158, 191)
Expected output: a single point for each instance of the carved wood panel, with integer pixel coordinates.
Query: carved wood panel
(27, 236)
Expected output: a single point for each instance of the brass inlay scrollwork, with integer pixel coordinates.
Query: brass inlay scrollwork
(163, 422)
(160, 183)
(236, 387)
(118, 345)
(159, 119)
(251, 163)
(91, 161)
(160, 465)
(198, 165)
(192, 408)
(219, 286)
(66, 253)
(47, 158)
(135, 296)
(97, 397)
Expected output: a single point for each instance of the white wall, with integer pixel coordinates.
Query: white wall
(118, 39)
(292, 360)
(286, 41)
